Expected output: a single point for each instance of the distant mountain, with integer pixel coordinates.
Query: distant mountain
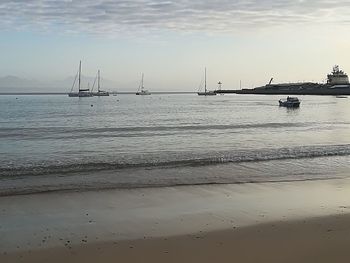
(17, 84)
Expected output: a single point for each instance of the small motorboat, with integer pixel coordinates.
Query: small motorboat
(290, 102)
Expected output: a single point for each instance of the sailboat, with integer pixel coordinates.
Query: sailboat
(142, 90)
(99, 91)
(206, 92)
(81, 92)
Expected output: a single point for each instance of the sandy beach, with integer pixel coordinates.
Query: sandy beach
(272, 222)
(323, 239)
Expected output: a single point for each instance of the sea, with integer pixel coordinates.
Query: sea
(57, 143)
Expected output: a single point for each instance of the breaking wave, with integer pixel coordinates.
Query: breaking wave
(178, 160)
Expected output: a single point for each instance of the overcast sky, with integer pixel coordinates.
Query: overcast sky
(172, 41)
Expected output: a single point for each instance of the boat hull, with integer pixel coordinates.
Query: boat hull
(80, 94)
(100, 94)
(289, 104)
(206, 94)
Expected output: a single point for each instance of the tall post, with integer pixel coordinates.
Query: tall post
(79, 73)
(98, 81)
(142, 82)
(205, 80)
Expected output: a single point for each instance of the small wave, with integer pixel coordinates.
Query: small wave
(19, 131)
(67, 132)
(156, 161)
(79, 187)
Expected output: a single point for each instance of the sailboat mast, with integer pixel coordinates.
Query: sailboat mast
(142, 82)
(79, 74)
(98, 81)
(205, 80)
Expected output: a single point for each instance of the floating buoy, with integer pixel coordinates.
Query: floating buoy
(92, 105)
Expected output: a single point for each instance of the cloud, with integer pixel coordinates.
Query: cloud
(125, 16)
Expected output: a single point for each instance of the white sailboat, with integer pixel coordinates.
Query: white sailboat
(81, 92)
(206, 92)
(141, 90)
(99, 92)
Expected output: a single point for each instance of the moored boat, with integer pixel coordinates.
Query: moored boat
(290, 102)
(99, 92)
(141, 90)
(81, 92)
(206, 92)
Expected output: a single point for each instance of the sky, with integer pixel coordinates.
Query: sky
(172, 42)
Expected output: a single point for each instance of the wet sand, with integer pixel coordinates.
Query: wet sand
(323, 239)
(271, 222)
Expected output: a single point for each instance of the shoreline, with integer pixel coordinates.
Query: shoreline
(269, 171)
(26, 192)
(54, 223)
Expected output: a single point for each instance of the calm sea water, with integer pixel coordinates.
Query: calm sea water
(59, 143)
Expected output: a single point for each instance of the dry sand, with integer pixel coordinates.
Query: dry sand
(273, 222)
